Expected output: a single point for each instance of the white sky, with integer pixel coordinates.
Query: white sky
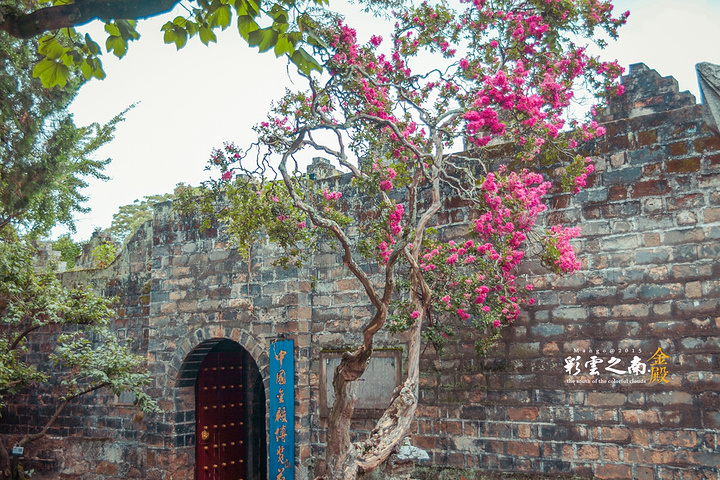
(193, 100)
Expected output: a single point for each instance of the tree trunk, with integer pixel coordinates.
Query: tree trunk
(5, 466)
(341, 455)
(346, 460)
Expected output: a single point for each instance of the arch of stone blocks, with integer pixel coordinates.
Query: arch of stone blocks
(192, 350)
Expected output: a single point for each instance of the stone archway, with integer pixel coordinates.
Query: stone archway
(230, 411)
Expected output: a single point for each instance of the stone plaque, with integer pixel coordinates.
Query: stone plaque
(376, 386)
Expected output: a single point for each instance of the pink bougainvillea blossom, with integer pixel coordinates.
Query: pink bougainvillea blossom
(386, 185)
(331, 195)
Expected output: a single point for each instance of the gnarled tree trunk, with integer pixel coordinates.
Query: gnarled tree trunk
(346, 460)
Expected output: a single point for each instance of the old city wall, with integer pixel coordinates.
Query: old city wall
(650, 279)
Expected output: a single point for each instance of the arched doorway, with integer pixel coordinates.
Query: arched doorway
(230, 432)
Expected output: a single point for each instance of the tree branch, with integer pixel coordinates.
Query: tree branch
(27, 25)
(326, 223)
(22, 335)
(36, 436)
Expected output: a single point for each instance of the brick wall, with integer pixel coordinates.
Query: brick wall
(650, 279)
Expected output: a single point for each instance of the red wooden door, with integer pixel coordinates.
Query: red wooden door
(220, 416)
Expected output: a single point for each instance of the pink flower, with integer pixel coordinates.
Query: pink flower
(496, 324)
(376, 40)
(415, 315)
(386, 185)
(301, 225)
(227, 175)
(331, 195)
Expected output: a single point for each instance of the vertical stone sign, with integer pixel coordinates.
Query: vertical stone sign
(282, 410)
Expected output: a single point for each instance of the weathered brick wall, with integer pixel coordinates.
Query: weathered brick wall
(96, 436)
(650, 278)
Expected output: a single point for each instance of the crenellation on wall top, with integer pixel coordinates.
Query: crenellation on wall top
(646, 92)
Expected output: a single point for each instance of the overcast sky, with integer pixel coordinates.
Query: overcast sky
(194, 100)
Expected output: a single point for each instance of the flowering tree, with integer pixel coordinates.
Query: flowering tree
(486, 122)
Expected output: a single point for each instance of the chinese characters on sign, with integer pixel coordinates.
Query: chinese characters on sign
(628, 368)
(282, 410)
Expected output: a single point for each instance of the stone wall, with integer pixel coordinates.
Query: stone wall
(650, 279)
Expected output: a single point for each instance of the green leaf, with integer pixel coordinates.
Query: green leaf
(69, 59)
(91, 67)
(117, 45)
(280, 28)
(175, 33)
(112, 29)
(180, 37)
(192, 28)
(221, 17)
(87, 69)
(51, 72)
(169, 35)
(284, 45)
(279, 14)
(316, 41)
(246, 25)
(248, 7)
(127, 29)
(51, 48)
(92, 47)
(179, 21)
(207, 35)
(305, 62)
(264, 39)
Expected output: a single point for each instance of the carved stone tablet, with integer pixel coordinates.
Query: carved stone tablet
(376, 386)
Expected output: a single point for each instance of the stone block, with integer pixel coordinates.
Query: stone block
(650, 188)
(612, 471)
(623, 176)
